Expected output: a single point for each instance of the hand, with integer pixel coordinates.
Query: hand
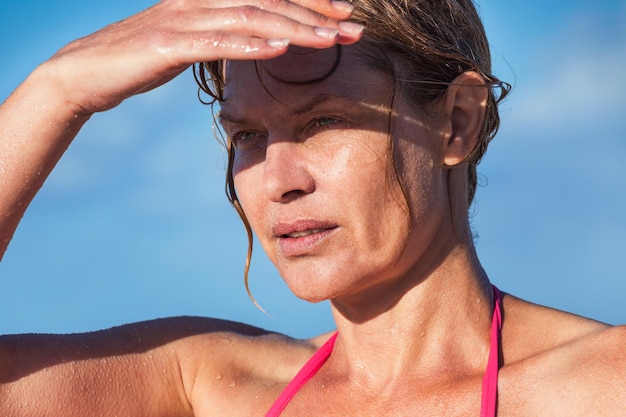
(99, 71)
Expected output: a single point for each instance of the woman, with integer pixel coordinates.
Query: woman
(353, 160)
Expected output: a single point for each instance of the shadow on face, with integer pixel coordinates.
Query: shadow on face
(305, 84)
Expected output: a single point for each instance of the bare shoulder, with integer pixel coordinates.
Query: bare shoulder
(557, 363)
(243, 348)
(234, 369)
(159, 367)
(207, 346)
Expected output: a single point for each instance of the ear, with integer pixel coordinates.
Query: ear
(465, 106)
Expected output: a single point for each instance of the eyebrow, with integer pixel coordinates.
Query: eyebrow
(318, 100)
(225, 117)
(305, 108)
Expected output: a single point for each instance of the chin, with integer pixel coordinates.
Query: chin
(312, 293)
(314, 288)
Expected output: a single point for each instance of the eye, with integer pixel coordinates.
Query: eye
(325, 121)
(245, 136)
(323, 125)
(246, 139)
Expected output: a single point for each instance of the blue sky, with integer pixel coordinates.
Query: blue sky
(133, 224)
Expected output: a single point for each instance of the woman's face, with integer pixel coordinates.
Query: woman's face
(314, 175)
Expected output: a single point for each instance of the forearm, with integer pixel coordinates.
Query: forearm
(36, 127)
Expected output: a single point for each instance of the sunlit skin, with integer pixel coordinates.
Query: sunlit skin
(357, 196)
(313, 171)
(317, 162)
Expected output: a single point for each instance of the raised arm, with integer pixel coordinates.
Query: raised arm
(41, 118)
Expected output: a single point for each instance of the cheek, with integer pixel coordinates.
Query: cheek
(424, 187)
(416, 174)
(378, 201)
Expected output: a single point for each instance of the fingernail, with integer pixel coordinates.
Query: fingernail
(351, 28)
(278, 43)
(326, 33)
(342, 6)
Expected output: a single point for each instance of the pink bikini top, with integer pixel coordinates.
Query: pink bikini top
(490, 379)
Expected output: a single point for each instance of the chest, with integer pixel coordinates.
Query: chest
(455, 398)
(319, 399)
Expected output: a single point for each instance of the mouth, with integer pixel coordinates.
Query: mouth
(302, 238)
(304, 233)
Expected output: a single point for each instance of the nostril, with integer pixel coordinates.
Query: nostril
(294, 194)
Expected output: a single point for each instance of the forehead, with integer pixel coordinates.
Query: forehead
(299, 76)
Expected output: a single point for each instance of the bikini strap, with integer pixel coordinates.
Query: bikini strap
(490, 379)
(309, 369)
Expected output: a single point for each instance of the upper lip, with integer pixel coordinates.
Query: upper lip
(301, 228)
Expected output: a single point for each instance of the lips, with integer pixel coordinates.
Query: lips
(302, 237)
(304, 233)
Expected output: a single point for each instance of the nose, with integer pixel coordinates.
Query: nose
(286, 174)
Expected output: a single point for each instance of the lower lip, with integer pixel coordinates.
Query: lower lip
(300, 246)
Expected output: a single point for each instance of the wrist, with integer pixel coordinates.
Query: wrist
(55, 96)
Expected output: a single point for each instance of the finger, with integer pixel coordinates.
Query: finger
(253, 22)
(212, 46)
(327, 15)
(269, 25)
(225, 45)
(335, 9)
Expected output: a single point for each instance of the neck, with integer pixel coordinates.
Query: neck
(433, 328)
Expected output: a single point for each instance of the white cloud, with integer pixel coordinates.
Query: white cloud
(577, 77)
(120, 140)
